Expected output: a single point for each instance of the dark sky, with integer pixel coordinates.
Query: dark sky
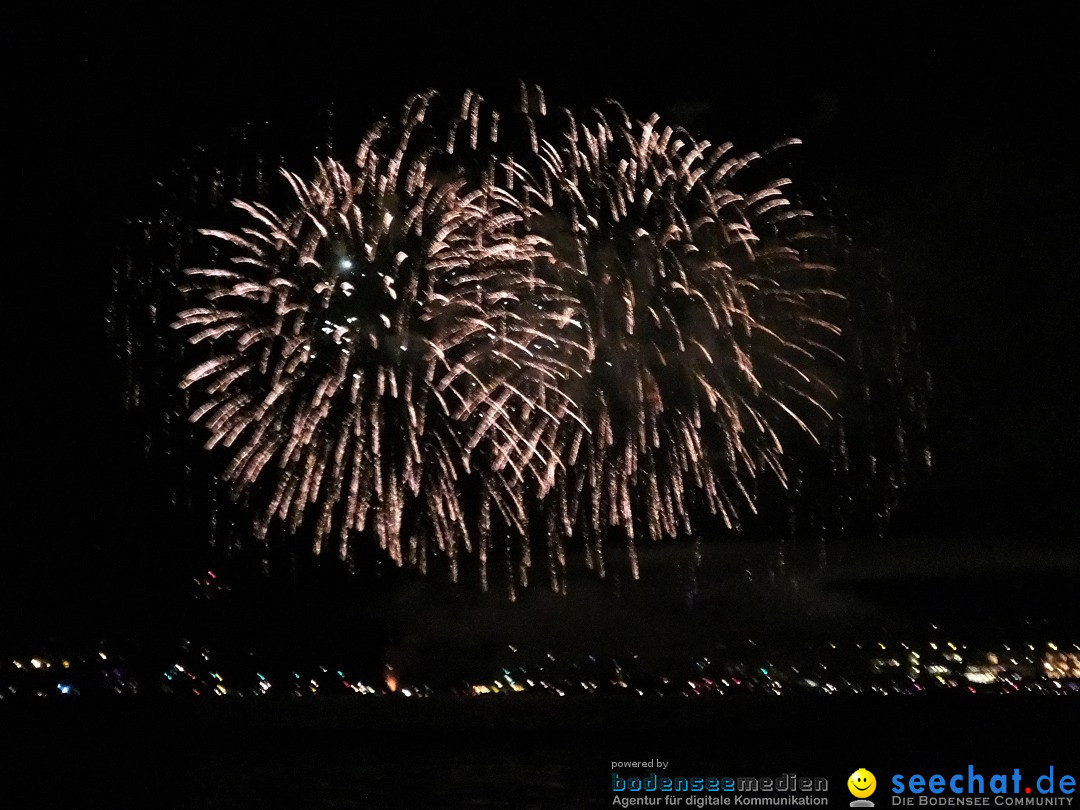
(946, 140)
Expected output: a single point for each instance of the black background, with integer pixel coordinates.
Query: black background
(946, 139)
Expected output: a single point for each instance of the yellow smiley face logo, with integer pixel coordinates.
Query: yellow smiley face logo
(861, 783)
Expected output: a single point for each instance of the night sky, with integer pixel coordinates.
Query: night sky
(946, 141)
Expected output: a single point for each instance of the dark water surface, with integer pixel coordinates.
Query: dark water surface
(519, 752)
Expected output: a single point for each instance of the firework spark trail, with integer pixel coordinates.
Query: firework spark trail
(493, 325)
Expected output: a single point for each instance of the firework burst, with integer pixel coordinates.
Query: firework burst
(520, 329)
(707, 308)
(361, 348)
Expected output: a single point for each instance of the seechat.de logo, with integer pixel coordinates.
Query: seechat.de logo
(862, 785)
